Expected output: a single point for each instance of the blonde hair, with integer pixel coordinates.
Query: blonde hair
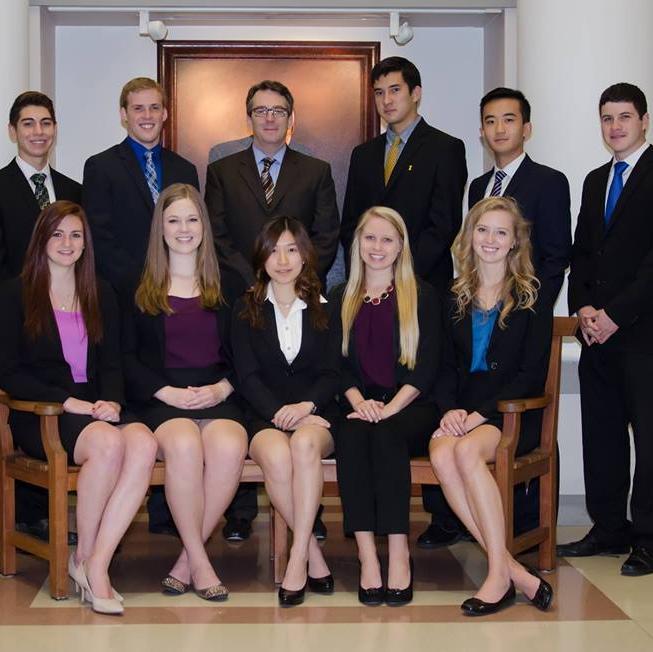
(141, 84)
(152, 292)
(404, 282)
(520, 287)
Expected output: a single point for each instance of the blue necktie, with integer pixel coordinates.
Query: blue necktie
(499, 176)
(151, 176)
(616, 187)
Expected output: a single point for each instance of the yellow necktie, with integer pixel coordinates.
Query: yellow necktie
(391, 159)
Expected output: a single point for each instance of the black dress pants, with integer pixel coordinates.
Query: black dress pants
(373, 461)
(615, 392)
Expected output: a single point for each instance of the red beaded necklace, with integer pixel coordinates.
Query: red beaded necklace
(382, 297)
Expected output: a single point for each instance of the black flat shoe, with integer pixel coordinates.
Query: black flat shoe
(477, 607)
(544, 594)
(288, 598)
(322, 585)
(400, 597)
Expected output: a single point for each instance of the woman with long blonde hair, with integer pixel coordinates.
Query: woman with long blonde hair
(388, 335)
(179, 380)
(497, 346)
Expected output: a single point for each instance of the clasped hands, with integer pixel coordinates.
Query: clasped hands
(595, 325)
(372, 410)
(193, 398)
(454, 422)
(295, 415)
(100, 410)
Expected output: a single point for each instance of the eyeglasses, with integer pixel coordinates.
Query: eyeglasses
(262, 112)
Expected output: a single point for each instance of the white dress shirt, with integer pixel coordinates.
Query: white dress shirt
(632, 161)
(28, 170)
(510, 170)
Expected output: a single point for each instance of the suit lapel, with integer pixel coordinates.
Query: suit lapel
(404, 162)
(270, 332)
(23, 189)
(249, 173)
(128, 158)
(308, 337)
(520, 178)
(479, 186)
(287, 174)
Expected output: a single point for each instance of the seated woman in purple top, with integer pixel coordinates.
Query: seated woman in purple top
(179, 380)
(501, 353)
(388, 335)
(59, 341)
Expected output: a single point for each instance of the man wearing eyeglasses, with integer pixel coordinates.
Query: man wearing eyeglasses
(246, 189)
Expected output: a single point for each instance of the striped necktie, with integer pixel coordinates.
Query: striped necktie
(40, 191)
(266, 180)
(151, 176)
(391, 159)
(499, 176)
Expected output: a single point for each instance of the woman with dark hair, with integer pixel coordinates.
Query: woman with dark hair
(179, 379)
(389, 340)
(497, 347)
(59, 341)
(287, 372)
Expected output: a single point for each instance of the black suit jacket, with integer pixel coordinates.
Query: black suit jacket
(18, 213)
(37, 370)
(543, 196)
(119, 206)
(612, 268)
(267, 381)
(237, 206)
(426, 188)
(428, 350)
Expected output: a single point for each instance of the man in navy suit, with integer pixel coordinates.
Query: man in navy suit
(611, 291)
(543, 196)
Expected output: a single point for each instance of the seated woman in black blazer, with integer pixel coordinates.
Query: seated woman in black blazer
(59, 341)
(178, 373)
(388, 333)
(288, 375)
(497, 347)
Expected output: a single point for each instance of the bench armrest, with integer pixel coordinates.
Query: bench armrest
(523, 404)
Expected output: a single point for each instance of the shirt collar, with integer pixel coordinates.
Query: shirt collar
(28, 170)
(632, 159)
(513, 166)
(298, 304)
(259, 154)
(140, 149)
(405, 134)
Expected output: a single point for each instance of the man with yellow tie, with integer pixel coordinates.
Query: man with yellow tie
(414, 168)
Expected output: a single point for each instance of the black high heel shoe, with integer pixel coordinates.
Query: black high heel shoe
(399, 597)
(478, 607)
(288, 598)
(323, 585)
(544, 595)
(369, 597)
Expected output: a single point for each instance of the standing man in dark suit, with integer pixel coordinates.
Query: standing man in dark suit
(121, 186)
(414, 168)
(611, 291)
(27, 185)
(543, 196)
(246, 189)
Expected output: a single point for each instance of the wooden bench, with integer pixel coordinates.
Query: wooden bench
(59, 479)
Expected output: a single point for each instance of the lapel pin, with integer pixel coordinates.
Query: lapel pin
(410, 168)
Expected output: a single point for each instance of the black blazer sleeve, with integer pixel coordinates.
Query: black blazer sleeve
(349, 372)
(110, 381)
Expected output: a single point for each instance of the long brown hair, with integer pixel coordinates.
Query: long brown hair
(307, 284)
(39, 318)
(152, 292)
(520, 285)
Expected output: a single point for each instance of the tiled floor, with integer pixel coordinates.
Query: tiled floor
(595, 608)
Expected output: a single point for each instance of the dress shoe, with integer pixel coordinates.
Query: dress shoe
(544, 594)
(399, 597)
(319, 529)
(640, 562)
(289, 598)
(172, 586)
(40, 529)
(108, 606)
(324, 585)
(78, 576)
(437, 536)
(237, 529)
(591, 545)
(477, 607)
(214, 593)
(370, 597)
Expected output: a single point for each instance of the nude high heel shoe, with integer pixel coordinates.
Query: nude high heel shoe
(108, 606)
(77, 578)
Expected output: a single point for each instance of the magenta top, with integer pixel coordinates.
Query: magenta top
(74, 342)
(191, 335)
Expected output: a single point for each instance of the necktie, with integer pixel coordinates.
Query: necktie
(40, 191)
(499, 176)
(391, 159)
(150, 176)
(616, 187)
(266, 180)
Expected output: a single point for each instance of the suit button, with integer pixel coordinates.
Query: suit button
(493, 365)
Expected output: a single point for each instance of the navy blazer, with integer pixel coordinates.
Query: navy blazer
(266, 380)
(119, 206)
(36, 370)
(543, 197)
(426, 188)
(429, 348)
(19, 210)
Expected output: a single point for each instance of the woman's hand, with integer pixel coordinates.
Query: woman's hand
(178, 397)
(312, 420)
(453, 423)
(368, 410)
(106, 411)
(74, 405)
(287, 416)
(208, 395)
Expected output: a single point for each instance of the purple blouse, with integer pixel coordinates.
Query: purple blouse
(374, 329)
(191, 335)
(74, 342)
